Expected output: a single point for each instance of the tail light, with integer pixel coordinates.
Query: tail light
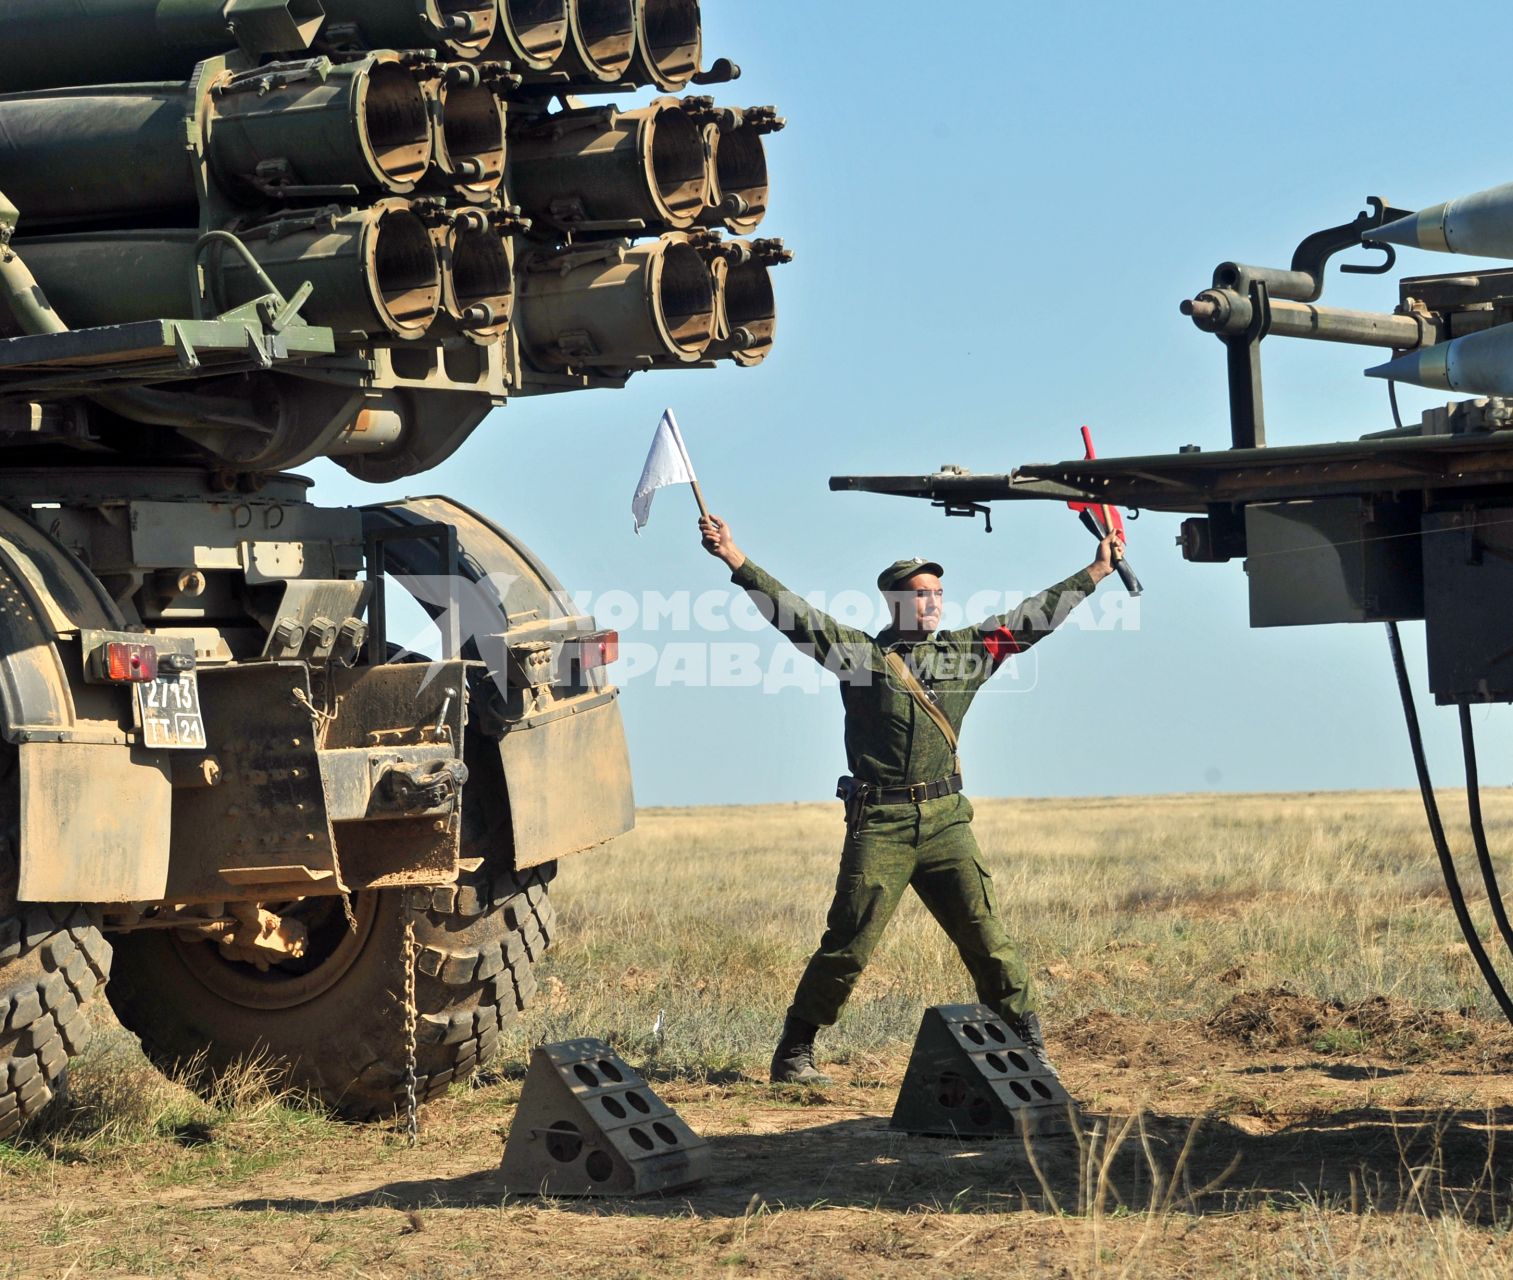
(128, 663)
(599, 650)
(586, 653)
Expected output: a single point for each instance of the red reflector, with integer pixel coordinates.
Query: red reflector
(599, 650)
(132, 663)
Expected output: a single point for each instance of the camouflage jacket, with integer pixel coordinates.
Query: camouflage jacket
(890, 741)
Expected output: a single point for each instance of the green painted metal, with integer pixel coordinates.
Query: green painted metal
(49, 43)
(374, 271)
(669, 43)
(77, 154)
(531, 35)
(643, 170)
(117, 152)
(457, 28)
(85, 361)
(345, 164)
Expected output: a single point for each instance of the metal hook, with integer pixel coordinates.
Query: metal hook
(1370, 269)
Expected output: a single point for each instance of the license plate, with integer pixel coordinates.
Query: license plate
(170, 712)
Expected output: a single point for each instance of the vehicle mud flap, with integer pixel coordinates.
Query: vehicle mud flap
(94, 811)
(588, 1125)
(971, 1076)
(95, 823)
(568, 778)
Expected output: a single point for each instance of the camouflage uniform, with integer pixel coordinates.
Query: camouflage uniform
(892, 742)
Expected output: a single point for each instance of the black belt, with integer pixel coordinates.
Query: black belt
(914, 793)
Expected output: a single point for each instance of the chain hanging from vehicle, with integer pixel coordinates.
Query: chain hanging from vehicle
(412, 1108)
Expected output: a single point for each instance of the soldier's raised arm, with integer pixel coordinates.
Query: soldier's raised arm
(811, 630)
(1002, 636)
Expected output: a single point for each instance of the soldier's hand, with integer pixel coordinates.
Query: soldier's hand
(715, 534)
(1110, 552)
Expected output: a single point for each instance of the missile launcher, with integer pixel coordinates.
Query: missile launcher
(347, 146)
(236, 236)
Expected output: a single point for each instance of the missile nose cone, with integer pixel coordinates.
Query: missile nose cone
(1422, 230)
(1477, 364)
(1422, 368)
(1480, 224)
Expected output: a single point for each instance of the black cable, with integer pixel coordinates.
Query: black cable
(1397, 417)
(1479, 830)
(1437, 829)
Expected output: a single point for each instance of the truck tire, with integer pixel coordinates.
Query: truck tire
(53, 959)
(338, 1030)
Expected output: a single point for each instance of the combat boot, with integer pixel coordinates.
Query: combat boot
(793, 1061)
(1027, 1027)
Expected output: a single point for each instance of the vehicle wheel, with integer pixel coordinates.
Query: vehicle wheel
(334, 1023)
(52, 960)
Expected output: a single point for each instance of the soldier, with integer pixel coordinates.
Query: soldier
(905, 694)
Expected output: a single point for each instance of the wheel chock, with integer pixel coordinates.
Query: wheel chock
(971, 1076)
(588, 1125)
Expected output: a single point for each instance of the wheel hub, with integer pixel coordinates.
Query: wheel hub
(332, 947)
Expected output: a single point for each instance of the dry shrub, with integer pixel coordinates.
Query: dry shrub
(1280, 1018)
(1276, 1018)
(115, 1097)
(111, 1096)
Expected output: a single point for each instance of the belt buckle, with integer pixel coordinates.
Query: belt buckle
(917, 792)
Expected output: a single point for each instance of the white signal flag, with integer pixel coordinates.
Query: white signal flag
(667, 463)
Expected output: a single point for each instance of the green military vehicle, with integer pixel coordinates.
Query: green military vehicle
(236, 236)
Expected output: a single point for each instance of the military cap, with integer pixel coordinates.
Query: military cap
(902, 570)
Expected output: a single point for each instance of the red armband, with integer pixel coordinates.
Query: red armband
(1001, 646)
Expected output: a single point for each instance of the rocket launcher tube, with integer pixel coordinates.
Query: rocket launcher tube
(469, 143)
(455, 28)
(374, 271)
(532, 34)
(363, 124)
(376, 267)
(50, 43)
(605, 166)
(748, 314)
(738, 179)
(601, 42)
(204, 414)
(90, 154)
(477, 277)
(669, 43)
(616, 307)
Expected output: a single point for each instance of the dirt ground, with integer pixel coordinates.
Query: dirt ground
(1267, 1157)
(1287, 1062)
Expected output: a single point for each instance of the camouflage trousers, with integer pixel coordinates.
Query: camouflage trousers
(931, 848)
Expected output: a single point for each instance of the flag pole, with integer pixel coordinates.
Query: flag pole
(698, 496)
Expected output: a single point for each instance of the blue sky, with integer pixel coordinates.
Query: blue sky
(996, 209)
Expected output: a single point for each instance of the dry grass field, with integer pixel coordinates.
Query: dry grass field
(1287, 1064)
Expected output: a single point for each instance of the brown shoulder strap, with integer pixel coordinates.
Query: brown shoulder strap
(910, 684)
